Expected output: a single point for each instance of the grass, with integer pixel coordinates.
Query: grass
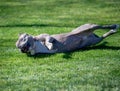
(95, 68)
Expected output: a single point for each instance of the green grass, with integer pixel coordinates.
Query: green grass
(95, 68)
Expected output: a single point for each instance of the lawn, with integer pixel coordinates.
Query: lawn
(96, 68)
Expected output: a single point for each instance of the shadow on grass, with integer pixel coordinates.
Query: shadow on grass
(36, 25)
(102, 46)
(40, 55)
(68, 55)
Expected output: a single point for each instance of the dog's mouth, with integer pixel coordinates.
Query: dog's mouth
(25, 49)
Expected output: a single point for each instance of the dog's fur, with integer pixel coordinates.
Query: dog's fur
(78, 38)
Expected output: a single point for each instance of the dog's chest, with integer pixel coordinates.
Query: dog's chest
(40, 48)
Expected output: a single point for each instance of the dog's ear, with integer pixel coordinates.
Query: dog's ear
(22, 34)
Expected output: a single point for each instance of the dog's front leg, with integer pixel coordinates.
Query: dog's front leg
(46, 39)
(49, 43)
(32, 52)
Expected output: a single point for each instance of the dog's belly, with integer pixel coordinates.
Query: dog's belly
(68, 43)
(74, 42)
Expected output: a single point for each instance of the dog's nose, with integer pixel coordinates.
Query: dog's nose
(19, 47)
(23, 50)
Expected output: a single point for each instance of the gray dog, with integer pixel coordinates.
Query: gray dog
(80, 37)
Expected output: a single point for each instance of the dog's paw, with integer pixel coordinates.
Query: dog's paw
(32, 52)
(49, 46)
(115, 29)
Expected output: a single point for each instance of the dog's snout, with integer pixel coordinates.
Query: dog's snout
(19, 47)
(22, 51)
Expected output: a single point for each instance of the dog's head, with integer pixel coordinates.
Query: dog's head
(24, 42)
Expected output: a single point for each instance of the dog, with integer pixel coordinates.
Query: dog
(78, 38)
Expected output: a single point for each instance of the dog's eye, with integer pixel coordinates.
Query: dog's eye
(24, 39)
(21, 39)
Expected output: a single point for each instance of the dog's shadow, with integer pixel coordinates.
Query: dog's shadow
(40, 55)
(68, 55)
(102, 46)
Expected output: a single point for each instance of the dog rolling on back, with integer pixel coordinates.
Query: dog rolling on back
(78, 38)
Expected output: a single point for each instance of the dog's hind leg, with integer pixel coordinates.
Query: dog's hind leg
(84, 28)
(92, 27)
(112, 31)
(114, 26)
